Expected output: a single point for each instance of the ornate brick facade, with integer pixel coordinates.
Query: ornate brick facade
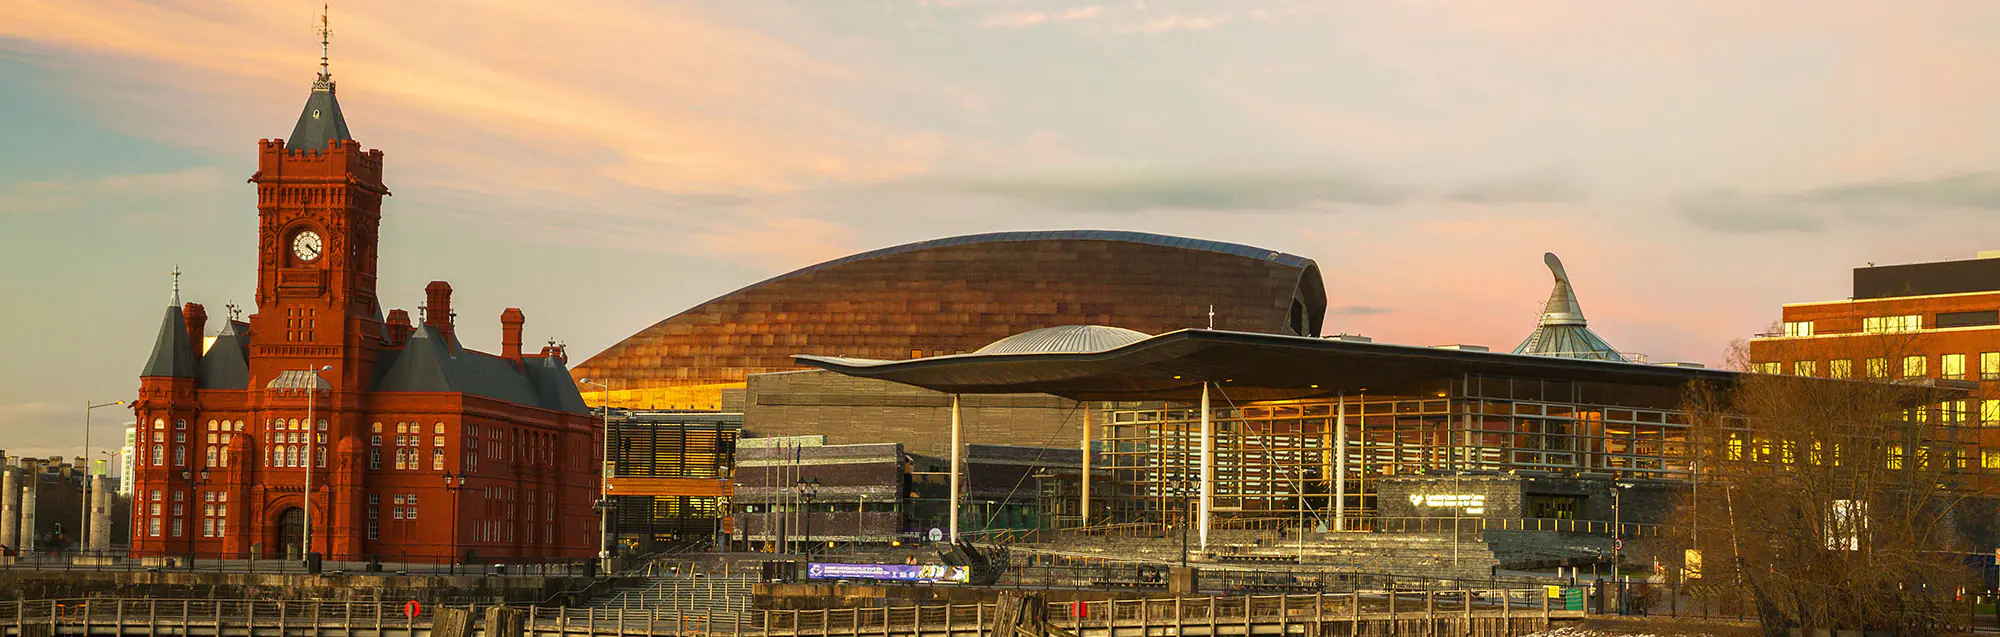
(224, 459)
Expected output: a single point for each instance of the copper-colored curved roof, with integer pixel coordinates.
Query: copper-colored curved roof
(955, 295)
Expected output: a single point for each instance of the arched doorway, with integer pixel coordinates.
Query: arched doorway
(288, 531)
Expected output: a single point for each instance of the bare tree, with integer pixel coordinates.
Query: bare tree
(1829, 503)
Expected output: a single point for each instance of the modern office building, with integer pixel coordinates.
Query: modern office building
(798, 491)
(379, 437)
(1920, 320)
(125, 454)
(848, 410)
(952, 296)
(670, 477)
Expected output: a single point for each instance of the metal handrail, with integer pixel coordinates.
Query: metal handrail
(285, 613)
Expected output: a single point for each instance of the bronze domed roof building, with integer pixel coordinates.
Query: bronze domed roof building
(956, 295)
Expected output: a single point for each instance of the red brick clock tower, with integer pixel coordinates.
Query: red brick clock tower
(415, 448)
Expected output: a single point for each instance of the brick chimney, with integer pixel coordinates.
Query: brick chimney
(437, 307)
(197, 320)
(511, 321)
(399, 327)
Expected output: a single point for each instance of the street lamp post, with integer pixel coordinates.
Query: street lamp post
(452, 485)
(195, 482)
(1617, 526)
(808, 489)
(1183, 486)
(83, 529)
(604, 476)
(312, 455)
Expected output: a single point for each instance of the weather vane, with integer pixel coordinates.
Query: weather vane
(325, 32)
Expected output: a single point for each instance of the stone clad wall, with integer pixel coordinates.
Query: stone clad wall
(1496, 497)
(850, 410)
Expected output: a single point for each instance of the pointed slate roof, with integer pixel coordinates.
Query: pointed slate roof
(1563, 332)
(172, 355)
(432, 363)
(321, 120)
(226, 363)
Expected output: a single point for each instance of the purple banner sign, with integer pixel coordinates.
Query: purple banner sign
(891, 572)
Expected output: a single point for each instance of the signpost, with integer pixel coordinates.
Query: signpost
(412, 609)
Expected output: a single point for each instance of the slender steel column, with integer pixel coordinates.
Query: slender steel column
(1086, 464)
(957, 468)
(1207, 468)
(1340, 464)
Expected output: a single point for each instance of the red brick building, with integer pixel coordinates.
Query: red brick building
(226, 449)
(1919, 320)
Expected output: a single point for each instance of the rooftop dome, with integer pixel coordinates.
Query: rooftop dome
(1065, 339)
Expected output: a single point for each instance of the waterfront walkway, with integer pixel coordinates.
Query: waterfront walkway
(1482, 613)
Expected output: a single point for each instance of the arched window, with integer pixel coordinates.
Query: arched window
(291, 456)
(180, 423)
(159, 455)
(225, 458)
(211, 457)
(277, 456)
(437, 459)
(180, 456)
(438, 429)
(211, 425)
(401, 461)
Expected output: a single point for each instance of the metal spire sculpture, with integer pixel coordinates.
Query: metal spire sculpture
(1562, 331)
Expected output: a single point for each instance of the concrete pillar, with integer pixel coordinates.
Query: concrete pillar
(28, 498)
(10, 509)
(100, 515)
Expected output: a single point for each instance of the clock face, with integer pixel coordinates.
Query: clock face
(306, 246)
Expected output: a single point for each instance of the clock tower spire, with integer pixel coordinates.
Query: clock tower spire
(319, 209)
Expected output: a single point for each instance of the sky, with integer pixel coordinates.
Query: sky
(603, 165)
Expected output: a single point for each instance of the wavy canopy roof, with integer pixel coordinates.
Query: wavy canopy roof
(1251, 367)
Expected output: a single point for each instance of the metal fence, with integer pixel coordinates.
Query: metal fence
(394, 564)
(223, 615)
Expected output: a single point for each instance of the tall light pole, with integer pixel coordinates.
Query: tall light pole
(1185, 487)
(197, 481)
(452, 485)
(1617, 526)
(83, 516)
(604, 478)
(312, 454)
(808, 489)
